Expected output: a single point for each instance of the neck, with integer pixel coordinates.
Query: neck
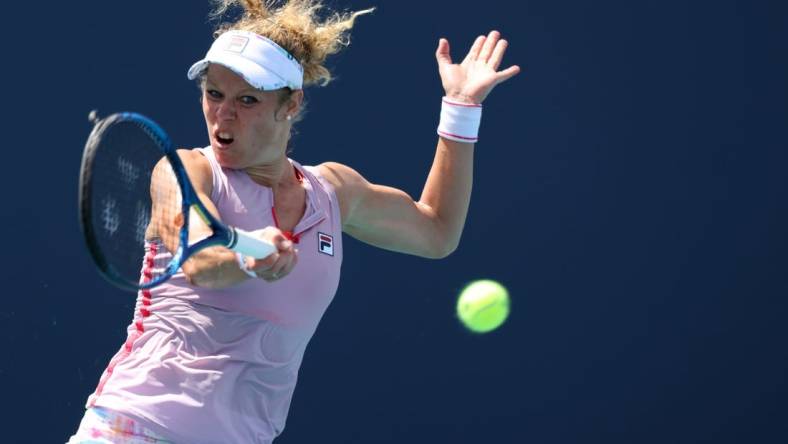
(274, 175)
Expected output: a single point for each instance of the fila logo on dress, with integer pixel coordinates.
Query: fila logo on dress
(325, 243)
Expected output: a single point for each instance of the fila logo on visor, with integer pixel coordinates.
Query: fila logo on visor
(325, 243)
(237, 43)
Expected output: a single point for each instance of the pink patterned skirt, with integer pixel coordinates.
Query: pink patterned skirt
(102, 426)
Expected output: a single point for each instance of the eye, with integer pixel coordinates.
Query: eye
(248, 100)
(214, 94)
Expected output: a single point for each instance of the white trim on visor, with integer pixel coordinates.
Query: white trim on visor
(261, 62)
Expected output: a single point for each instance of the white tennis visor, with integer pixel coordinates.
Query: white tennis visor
(261, 62)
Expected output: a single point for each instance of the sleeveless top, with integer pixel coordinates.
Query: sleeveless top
(204, 366)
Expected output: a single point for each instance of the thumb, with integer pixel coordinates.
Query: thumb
(442, 53)
(283, 243)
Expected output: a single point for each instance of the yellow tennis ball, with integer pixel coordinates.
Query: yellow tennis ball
(483, 305)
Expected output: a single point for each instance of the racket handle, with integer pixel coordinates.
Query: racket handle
(248, 244)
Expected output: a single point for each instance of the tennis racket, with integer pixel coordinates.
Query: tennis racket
(135, 197)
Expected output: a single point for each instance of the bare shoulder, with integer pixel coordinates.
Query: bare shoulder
(349, 185)
(198, 168)
(340, 175)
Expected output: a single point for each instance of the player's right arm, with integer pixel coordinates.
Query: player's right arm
(213, 267)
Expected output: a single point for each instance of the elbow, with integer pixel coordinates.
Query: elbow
(440, 254)
(441, 250)
(445, 241)
(448, 250)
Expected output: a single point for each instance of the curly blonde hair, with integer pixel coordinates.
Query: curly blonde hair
(296, 26)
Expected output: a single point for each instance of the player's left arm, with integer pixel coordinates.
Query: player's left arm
(430, 227)
(389, 218)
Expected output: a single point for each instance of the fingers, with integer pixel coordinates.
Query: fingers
(489, 44)
(473, 54)
(278, 264)
(442, 54)
(491, 51)
(506, 74)
(284, 263)
(478, 73)
(497, 54)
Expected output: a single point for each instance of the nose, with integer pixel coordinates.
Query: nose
(226, 110)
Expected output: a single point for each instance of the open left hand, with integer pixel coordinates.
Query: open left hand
(473, 79)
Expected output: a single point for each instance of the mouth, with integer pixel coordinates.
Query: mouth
(224, 138)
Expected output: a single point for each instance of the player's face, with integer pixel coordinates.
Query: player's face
(246, 126)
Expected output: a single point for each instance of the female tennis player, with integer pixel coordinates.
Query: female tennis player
(212, 355)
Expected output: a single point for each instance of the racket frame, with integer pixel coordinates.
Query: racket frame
(222, 235)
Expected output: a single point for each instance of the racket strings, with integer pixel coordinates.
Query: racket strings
(127, 174)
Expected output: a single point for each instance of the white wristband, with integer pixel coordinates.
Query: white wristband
(460, 121)
(242, 265)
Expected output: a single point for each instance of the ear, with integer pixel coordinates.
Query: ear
(295, 101)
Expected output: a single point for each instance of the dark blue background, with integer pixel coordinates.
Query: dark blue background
(630, 191)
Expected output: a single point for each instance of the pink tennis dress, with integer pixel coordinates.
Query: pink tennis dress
(204, 366)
